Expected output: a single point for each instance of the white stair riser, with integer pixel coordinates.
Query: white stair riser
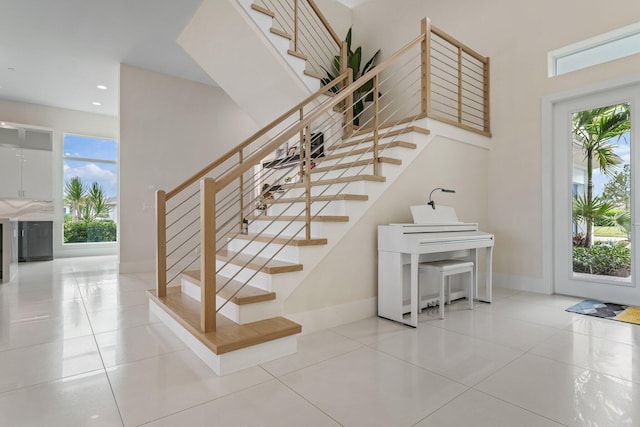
(240, 314)
(333, 207)
(266, 250)
(282, 44)
(295, 228)
(246, 275)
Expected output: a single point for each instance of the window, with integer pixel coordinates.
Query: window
(596, 50)
(90, 174)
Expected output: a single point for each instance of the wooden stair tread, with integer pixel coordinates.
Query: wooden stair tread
(247, 295)
(312, 74)
(297, 54)
(265, 265)
(266, 238)
(326, 198)
(368, 149)
(262, 9)
(228, 336)
(317, 218)
(340, 180)
(280, 33)
(363, 162)
(381, 135)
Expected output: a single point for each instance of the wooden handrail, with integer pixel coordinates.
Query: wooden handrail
(205, 170)
(324, 21)
(438, 32)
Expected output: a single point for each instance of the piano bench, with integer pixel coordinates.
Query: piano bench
(444, 269)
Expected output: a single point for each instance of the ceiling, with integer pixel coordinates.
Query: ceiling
(56, 52)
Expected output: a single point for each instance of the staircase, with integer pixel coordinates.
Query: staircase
(225, 268)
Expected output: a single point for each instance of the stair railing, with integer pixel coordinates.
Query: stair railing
(203, 221)
(310, 31)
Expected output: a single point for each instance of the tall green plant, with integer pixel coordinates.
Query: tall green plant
(97, 200)
(74, 194)
(593, 130)
(354, 59)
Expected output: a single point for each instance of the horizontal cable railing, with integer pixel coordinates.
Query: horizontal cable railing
(272, 187)
(458, 83)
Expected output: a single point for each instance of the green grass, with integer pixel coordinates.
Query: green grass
(608, 232)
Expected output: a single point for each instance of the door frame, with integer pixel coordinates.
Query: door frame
(549, 103)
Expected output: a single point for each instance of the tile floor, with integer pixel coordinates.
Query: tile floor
(78, 348)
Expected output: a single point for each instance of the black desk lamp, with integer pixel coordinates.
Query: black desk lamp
(444, 190)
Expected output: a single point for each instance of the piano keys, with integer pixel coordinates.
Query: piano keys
(436, 234)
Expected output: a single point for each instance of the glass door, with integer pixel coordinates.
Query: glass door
(595, 197)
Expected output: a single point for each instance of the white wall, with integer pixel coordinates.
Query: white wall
(63, 121)
(170, 128)
(517, 37)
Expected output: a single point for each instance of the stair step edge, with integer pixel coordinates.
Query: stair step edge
(266, 238)
(263, 10)
(265, 265)
(280, 33)
(247, 295)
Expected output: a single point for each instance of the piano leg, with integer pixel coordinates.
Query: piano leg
(489, 283)
(414, 290)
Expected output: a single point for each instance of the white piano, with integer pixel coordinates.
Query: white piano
(436, 234)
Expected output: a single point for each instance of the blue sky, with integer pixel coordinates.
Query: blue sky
(92, 171)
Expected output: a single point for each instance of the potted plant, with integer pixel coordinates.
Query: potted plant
(354, 59)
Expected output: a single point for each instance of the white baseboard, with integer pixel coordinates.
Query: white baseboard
(329, 317)
(522, 283)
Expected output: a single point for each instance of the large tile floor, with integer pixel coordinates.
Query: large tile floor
(78, 348)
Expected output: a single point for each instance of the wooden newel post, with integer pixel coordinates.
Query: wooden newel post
(161, 244)
(208, 255)
(425, 55)
(376, 125)
(487, 100)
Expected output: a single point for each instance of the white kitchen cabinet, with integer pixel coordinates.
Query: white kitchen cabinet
(25, 164)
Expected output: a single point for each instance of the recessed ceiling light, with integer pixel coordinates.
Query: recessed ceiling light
(96, 103)
(102, 87)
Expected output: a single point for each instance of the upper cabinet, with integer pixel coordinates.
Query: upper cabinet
(26, 163)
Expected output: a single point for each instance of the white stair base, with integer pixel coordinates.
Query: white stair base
(233, 361)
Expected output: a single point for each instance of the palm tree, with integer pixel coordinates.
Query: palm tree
(97, 201)
(593, 130)
(74, 196)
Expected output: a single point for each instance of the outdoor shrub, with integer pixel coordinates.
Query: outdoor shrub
(75, 232)
(90, 231)
(101, 231)
(603, 259)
